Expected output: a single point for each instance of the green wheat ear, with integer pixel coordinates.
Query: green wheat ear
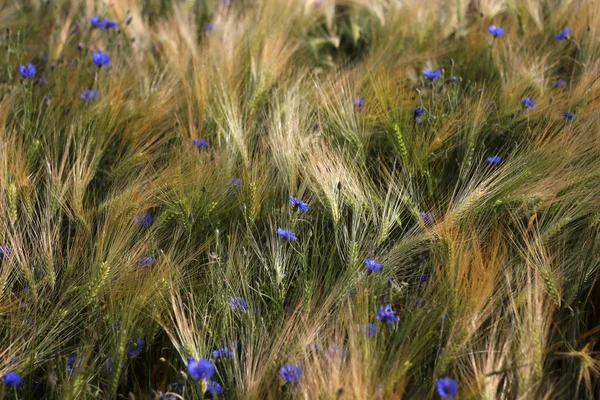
(25, 195)
(470, 203)
(352, 254)
(11, 198)
(251, 210)
(384, 231)
(3, 282)
(549, 282)
(96, 285)
(259, 94)
(400, 144)
(555, 229)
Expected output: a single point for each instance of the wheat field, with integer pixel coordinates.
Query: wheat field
(299, 199)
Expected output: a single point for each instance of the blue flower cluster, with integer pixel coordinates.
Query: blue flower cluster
(136, 348)
(27, 71)
(88, 95)
(4, 252)
(495, 31)
(12, 379)
(494, 160)
(200, 143)
(145, 262)
(99, 58)
(202, 370)
(223, 352)
(528, 102)
(387, 315)
(446, 387)
(287, 234)
(373, 265)
(291, 373)
(144, 219)
(103, 23)
(564, 34)
(238, 304)
(298, 204)
(430, 74)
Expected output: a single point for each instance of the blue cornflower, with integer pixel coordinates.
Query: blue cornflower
(528, 102)
(286, 234)
(446, 387)
(213, 388)
(417, 112)
(143, 219)
(209, 27)
(12, 379)
(145, 262)
(96, 22)
(299, 204)
(291, 373)
(561, 83)
(71, 362)
(99, 58)
(569, 115)
(427, 217)
(109, 23)
(136, 348)
(223, 352)
(27, 71)
(373, 265)
(238, 304)
(423, 277)
(359, 102)
(430, 74)
(496, 31)
(200, 143)
(369, 329)
(494, 160)
(387, 315)
(201, 369)
(88, 95)
(564, 34)
(4, 252)
(420, 302)
(103, 23)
